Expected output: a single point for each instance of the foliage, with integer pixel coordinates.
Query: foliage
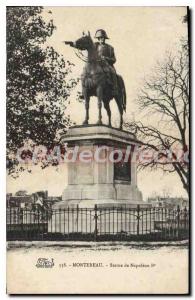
(165, 97)
(38, 82)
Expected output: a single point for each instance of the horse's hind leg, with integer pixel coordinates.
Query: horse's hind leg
(120, 108)
(107, 107)
(121, 119)
(87, 111)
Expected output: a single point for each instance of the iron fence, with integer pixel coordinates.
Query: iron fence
(98, 223)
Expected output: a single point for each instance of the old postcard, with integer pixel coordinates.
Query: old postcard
(97, 150)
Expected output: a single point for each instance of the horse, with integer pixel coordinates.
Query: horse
(95, 82)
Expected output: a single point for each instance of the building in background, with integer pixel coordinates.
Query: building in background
(168, 202)
(37, 200)
(19, 201)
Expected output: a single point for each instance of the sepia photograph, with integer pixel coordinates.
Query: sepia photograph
(97, 150)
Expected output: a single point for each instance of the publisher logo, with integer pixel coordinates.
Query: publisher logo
(45, 263)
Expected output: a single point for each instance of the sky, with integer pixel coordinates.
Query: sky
(140, 36)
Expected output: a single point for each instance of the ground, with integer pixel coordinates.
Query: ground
(89, 267)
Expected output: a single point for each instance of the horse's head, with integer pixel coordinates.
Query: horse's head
(85, 42)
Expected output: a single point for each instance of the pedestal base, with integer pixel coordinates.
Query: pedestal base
(97, 176)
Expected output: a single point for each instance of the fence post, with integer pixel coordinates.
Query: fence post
(21, 215)
(21, 223)
(10, 221)
(77, 218)
(95, 218)
(185, 218)
(138, 218)
(47, 221)
(178, 221)
(59, 221)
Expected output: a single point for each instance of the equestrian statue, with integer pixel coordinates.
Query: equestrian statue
(99, 77)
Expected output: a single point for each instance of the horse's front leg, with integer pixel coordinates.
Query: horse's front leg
(86, 111)
(99, 95)
(100, 112)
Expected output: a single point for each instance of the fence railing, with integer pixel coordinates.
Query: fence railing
(98, 223)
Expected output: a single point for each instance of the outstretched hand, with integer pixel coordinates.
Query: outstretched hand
(69, 43)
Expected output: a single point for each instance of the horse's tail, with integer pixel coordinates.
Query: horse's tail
(122, 92)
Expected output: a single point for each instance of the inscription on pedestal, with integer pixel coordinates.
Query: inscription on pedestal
(122, 171)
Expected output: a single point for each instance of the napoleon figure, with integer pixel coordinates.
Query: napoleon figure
(106, 55)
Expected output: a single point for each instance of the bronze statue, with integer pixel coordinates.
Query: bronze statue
(99, 77)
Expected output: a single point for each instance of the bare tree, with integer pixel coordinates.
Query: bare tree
(164, 97)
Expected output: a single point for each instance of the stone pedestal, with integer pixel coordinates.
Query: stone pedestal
(100, 167)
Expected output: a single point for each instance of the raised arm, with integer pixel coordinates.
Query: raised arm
(71, 44)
